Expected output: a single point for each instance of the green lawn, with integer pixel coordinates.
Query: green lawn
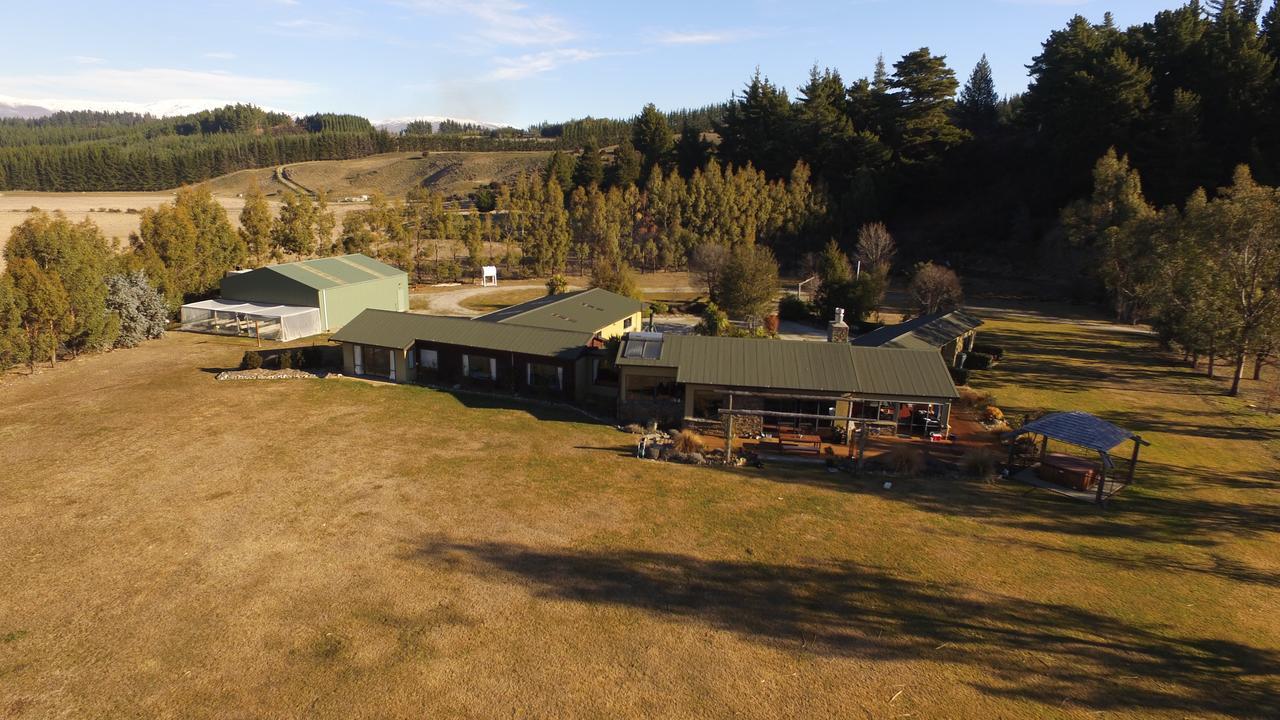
(174, 546)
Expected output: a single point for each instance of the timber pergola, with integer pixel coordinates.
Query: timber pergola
(1091, 433)
(861, 424)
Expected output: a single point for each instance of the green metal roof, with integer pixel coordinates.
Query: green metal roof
(584, 310)
(926, 331)
(791, 365)
(323, 273)
(387, 328)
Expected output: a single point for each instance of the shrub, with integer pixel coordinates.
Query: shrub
(688, 441)
(993, 414)
(970, 398)
(994, 351)
(252, 360)
(714, 321)
(634, 429)
(793, 308)
(978, 361)
(905, 460)
(299, 357)
(959, 376)
(979, 463)
(285, 360)
(659, 307)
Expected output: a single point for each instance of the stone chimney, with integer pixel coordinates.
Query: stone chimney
(837, 330)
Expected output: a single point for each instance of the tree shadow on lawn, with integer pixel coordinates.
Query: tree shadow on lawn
(1134, 514)
(1193, 424)
(842, 609)
(1054, 361)
(1218, 565)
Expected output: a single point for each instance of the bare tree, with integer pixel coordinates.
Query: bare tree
(935, 288)
(707, 261)
(876, 247)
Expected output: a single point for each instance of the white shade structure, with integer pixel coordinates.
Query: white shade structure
(269, 322)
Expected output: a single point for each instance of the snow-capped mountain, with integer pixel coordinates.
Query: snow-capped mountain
(13, 107)
(395, 125)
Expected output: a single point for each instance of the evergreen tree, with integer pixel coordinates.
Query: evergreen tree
(588, 172)
(924, 88)
(1111, 228)
(561, 166)
(651, 137)
(42, 307)
(756, 128)
(825, 130)
(748, 285)
(625, 170)
(13, 345)
(255, 224)
(834, 265)
(293, 230)
(976, 110)
(691, 151)
(187, 245)
(77, 255)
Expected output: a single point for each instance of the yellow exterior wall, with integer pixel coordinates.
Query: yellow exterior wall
(617, 329)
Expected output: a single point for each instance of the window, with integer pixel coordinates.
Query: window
(479, 367)
(626, 324)
(377, 361)
(544, 376)
(649, 387)
(429, 359)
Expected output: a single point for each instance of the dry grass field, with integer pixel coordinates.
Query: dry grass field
(392, 174)
(173, 546)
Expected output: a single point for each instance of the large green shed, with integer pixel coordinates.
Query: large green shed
(341, 287)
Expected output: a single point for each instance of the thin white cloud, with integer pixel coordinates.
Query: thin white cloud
(523, 66)
(503, 22)
(308, 28)
(220, 55)
(86, 60)
(100, 87)
(712, 37)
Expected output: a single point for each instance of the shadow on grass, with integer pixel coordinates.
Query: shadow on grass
(539, 409)
(1217, 566)
(1045, 360)
(1025, 650)
(1172, 516)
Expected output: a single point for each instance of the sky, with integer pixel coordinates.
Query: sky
(514, 62)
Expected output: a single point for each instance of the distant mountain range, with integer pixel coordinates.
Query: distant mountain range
(11, 107)
(396, 125)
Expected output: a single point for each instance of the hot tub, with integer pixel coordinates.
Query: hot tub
(1069, 471)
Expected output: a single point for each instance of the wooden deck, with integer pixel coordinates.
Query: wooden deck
(1029, 477)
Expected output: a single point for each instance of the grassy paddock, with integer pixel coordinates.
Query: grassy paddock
(175, 546)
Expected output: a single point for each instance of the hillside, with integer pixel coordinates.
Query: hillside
(392, 174)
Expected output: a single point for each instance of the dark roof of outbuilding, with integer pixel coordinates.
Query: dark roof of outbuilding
(387, 328)
(584, 310)
(324, 273)
(926, 331)
(791, 365)
(1080, 429)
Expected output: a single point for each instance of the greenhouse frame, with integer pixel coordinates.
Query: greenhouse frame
(257, 320)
